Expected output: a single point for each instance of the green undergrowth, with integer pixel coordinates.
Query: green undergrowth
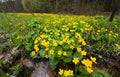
(72, 44)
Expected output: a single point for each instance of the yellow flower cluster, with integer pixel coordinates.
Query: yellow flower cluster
(80, 39)
(45, 43)
(83, 52)
(88, 63)
(62, 39)
(65, 73)
(36, 48)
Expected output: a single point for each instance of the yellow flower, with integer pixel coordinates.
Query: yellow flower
(68, 41)
(45, 43)
(87, 62)
(60, 71)
(81, 29)
(55, 43)
(79, 49)
(75, 60)
(17, 37)
(44, 36)
(89, 70)
(49, 39)
(72, 40)
(33, 53)
(72, 47)
(59, 52)
(77, 35)
(70, 72)
(47, 49)
(61, 42)
(117, 45)
(110, 34)
(36, 41)
(64, 53)
(80, 40)
(98, 31)
(83, 53)
(46, 56)
(72, 30)
(93, 59)
(38, 38)
(51, 51)
(36, 47)
(83, 43)
(66, 73)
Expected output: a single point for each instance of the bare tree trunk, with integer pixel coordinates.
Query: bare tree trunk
(56, 5)
(50, 5)
(112, 15)
(115, 9)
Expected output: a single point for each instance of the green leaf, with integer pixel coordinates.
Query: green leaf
(79, 55)
(67, 59)
(53, 63)
(96, 75)
(83, 70)
(66, 46)
(42, 52)
(93, 37)
(103, 73)
(2, 74)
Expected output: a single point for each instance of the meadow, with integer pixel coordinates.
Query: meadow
(74, 45)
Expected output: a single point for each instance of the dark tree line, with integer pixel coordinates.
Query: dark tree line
(61, 6)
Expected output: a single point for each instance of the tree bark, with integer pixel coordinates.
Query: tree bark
(112, 15)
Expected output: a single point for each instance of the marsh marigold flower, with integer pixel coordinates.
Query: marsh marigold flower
(36, 47)
(70, 72)
(59, 52)
(75, 60)
(61, 42)
(83, 43)
(60, 71)
(52, 52)
(47, 49)
(79, 49)
(72, 47)
(87, 62)
(46, 56)
(36, 41)
(83, 53)
(66, 73)
(33, 53)
(45, 43)
(93, 59)
(89, 70)
(64, 53)
(55, 43)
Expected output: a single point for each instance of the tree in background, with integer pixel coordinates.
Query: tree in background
(18, 6)
(36, 5)
(115, 8)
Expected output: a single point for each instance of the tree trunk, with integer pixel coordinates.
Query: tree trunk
(112, 15)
